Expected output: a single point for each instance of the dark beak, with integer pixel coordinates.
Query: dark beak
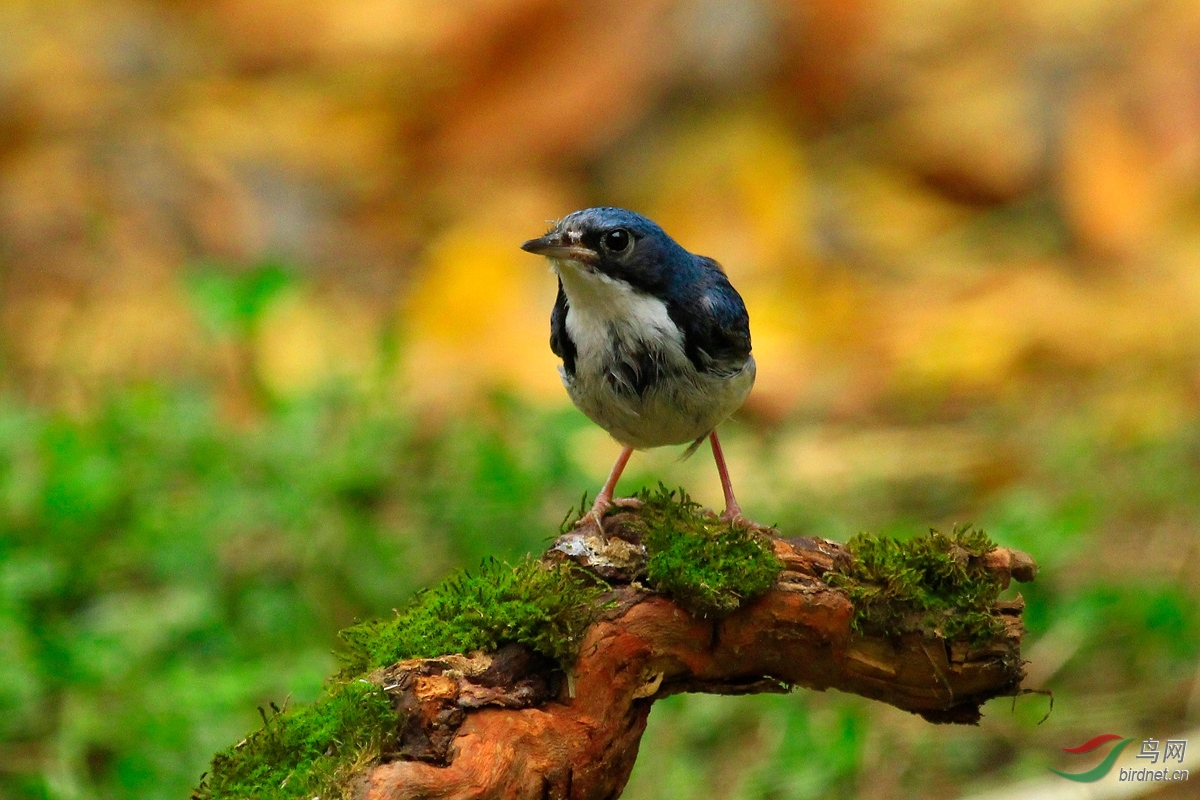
(554, 245)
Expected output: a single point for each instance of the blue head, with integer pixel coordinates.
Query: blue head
(618, 244)
(609, 260)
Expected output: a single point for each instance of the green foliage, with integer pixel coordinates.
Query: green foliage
(546, 607)
(163, 571)
(309, 752)
(232, 302)
(482, 478)
(798, 746)
(708, 566)
(936, 582)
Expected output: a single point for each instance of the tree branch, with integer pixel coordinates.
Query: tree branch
(511, 725)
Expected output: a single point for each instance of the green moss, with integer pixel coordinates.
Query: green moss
(933, 582)
(315, 750)
(708, 566)
(547, 608)
(309, 752)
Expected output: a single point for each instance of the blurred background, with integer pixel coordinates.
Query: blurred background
(271, 360)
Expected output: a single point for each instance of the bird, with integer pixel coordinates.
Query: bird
(654, 341)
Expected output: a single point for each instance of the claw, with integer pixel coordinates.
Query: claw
(594, 517)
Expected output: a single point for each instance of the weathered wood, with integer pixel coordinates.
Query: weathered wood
(512, 726)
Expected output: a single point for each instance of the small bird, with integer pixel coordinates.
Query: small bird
(654, 340)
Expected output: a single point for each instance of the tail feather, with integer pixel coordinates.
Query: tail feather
(692, 448)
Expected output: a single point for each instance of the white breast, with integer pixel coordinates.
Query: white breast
(609, 320)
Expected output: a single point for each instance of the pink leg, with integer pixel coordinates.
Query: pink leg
(732, 509)
(605, 498)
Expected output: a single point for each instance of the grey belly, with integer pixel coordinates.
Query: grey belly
(679, 408)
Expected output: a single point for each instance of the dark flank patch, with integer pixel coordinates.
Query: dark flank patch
(560, 341)
(634, 372)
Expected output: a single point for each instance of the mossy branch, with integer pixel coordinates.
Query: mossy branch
(535, 680)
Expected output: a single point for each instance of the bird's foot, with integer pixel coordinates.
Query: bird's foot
(595, 517)
(735, 517)
(601, 507)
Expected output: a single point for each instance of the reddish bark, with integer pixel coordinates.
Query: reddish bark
(504, 727)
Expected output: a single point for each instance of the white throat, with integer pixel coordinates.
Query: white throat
(602, 308)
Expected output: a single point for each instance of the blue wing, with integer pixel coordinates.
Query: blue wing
(718, 340)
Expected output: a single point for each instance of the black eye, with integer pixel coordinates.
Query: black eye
(617, 241)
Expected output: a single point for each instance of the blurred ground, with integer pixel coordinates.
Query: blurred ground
(272, 360)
